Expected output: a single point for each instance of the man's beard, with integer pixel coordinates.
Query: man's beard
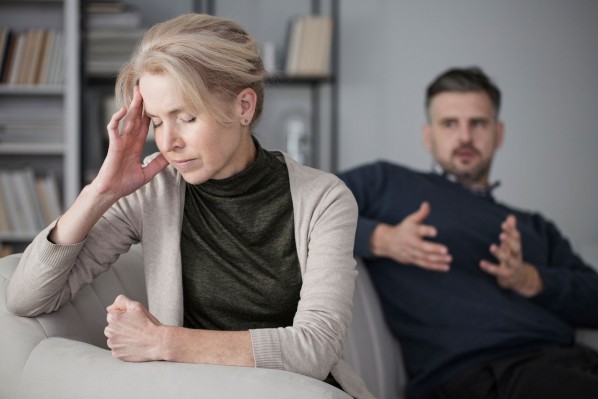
(475, 177)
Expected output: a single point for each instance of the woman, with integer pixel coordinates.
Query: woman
(248, 255)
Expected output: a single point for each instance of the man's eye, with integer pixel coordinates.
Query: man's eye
(156, 124)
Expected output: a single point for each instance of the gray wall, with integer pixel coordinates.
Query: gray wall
(542, 53)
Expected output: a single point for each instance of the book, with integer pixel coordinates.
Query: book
(5, 41)
(42, 76)
(17, 58)
(56, 64)
(294, 45)
(54, 200)
(28, 179)
(5, 223)
(309, 46)
(9, 58)
(27, 56)
(47, 192)
(25, 206)
(11, 200)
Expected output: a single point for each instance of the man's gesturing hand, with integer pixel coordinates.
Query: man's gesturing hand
(406, 242)
(512, 272)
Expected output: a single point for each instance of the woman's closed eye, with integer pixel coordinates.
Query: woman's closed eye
(187, 120)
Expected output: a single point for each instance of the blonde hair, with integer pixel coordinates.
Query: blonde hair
(210, 59)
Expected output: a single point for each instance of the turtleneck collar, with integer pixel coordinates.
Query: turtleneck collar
(243, 182)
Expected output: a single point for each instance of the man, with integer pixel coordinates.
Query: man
(483, 297)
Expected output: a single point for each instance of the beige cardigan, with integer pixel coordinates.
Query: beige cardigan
(325, 215)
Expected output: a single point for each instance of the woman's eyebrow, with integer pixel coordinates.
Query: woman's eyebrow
(174, 111)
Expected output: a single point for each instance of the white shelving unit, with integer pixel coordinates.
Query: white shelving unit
(59, 102)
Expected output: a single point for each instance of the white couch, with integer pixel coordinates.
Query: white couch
(63, 355)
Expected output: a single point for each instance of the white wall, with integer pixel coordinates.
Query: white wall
(543, 54)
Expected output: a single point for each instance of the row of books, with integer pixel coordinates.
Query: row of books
(109, 49)
(27, 203)
(32, 129)
(309, 46)
(113, 30)
(31, 57)
(112, 14)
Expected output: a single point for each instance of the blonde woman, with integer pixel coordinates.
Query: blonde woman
(248, 255)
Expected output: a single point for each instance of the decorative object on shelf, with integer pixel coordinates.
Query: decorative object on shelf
(298, 138)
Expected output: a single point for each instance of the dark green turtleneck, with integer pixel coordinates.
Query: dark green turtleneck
(240, 265)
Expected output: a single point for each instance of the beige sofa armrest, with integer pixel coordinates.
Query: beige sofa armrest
(63, 355)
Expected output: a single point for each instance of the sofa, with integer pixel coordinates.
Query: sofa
(64, 354)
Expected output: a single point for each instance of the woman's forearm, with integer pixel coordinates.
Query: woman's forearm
(232, 348)
(74, 225)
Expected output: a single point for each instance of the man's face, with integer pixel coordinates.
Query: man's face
(463, 135)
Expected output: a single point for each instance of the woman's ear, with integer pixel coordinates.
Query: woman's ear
(245, 106)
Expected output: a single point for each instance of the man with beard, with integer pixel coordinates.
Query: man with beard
(484, 298)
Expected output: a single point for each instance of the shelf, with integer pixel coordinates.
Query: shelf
(30, 90)
(24, 237)
(32, 149)
(282, 79)
(95, 79)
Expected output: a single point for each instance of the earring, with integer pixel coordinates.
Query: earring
(246, 121)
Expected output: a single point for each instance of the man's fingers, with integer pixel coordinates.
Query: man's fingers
(421, 214)
(432, 265)
(431, 256)
(426, 231)
(432, 248)
(491, 268)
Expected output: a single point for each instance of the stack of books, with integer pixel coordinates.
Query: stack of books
(113, 31)
(31, 129)
(31, 57)
(309, 46)
(27, 203)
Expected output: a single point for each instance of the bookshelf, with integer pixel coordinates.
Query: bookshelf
(39, 112)
(295, 96)
(307, 100)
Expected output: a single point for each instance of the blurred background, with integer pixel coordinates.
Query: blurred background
(363, 103)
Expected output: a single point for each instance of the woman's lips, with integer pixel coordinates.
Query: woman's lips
(182, 164)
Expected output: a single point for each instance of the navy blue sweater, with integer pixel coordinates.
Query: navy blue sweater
(447, 322)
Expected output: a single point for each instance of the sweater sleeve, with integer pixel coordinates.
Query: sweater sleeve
(570, 285)
(314, 343)
(49, 275)
(365, 182)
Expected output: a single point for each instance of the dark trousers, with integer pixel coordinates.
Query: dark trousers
(558, 373)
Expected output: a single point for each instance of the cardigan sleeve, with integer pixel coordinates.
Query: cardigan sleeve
(314, 343)
(49, 275)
